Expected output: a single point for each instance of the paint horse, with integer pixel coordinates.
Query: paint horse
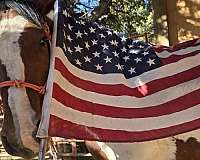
(24, 65)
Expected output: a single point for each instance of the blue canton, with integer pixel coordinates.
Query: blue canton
(94, 48)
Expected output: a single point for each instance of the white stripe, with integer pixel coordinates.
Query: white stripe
(135, 124)
(128, 101)
(166, 54)
(162, 72)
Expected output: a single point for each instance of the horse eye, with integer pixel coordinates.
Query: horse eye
(43, 42)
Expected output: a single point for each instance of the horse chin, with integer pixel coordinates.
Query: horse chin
(17, 150)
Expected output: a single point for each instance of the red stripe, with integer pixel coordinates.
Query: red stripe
(63, 128)
(119, 89)
(170, 107)
(175, 58)
(177, 47)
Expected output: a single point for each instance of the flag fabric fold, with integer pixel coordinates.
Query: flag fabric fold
(110, 88)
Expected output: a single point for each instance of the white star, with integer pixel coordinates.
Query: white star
(85, 33)
(78, 34)
(70, 27)
(65, 13)
(69, 38)
(116, 54)
(64, 46)
(107, 59)
(132, 70)
(124, 49)
(100, 27)
(134, 51)
(94, 42)
(77, 22)
(87, 59)
(119, 67)
(109, 32)
(126, 58)
(69, 50)
(64, 34)
(78, 62)
(102, 35)
(78, 49)
(151, 61)
(123, 39)
(82, 22)
(136, 41)
(130, 46)
(105, 46)
(96, 54)
(98, 67)
(140, 46)
(137, 60)
(145, 53)
(92, 30)
(114, 43)
(87, 45)
(115, 32)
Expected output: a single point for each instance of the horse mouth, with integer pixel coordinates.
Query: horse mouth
(15, 150)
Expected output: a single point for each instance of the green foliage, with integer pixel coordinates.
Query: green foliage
(131, 17)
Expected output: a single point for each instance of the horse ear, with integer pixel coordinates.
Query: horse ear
(44, 6)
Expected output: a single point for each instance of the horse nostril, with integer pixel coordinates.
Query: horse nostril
(15, 150)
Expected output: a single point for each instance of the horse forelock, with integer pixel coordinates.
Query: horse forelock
(11, 30)
(24, 8)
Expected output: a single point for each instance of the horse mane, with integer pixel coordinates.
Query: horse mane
(24, 8)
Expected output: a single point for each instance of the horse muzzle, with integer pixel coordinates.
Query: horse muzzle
(16, 149)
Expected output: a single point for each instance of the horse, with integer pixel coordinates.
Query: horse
(22, 40)
(24, 60)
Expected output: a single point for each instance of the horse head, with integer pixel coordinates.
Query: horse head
(24, 56)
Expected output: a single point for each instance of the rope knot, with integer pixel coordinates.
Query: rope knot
(20, 83)
(17, 83)
(42, 90)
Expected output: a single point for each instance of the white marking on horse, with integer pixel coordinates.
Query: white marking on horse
(10, 32)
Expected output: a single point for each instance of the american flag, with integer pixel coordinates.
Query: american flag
(110, 88)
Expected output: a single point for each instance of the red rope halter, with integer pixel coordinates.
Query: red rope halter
(19, 83)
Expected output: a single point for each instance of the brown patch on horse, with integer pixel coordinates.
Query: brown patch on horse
(38, 66)
(188, 150)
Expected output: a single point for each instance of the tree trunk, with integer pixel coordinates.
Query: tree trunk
(160, 21)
